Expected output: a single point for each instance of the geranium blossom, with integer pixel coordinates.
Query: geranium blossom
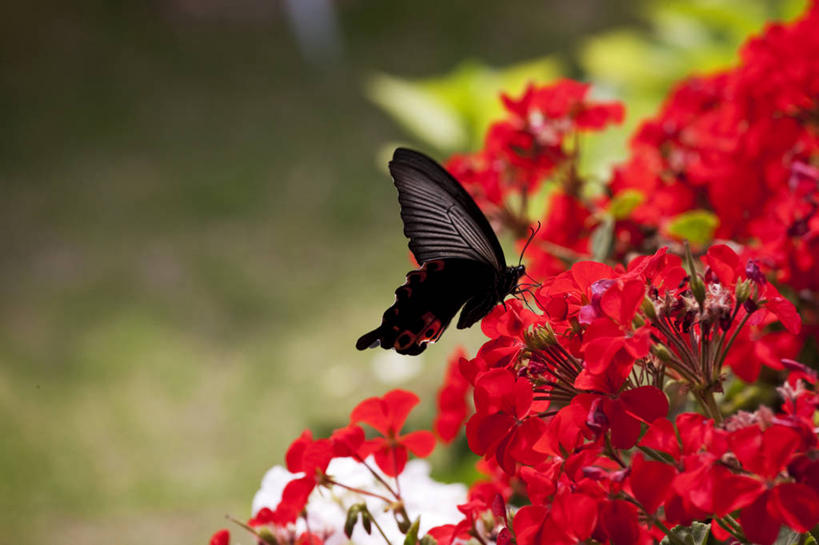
(605, 406)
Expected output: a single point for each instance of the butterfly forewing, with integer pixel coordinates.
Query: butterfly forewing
(440, 218)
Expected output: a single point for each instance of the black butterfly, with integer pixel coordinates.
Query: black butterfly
(462, 260)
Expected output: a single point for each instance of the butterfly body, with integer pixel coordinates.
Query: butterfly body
(462, 263)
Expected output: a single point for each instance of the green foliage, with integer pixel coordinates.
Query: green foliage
(412, 534)
(696, 534)
(624, 203)
(451, 112)
(696, 226)
(788, 536)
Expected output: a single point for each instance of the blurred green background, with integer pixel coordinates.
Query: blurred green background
(197, 223)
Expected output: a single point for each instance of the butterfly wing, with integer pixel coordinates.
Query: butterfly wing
(440, 218)
(426, 303)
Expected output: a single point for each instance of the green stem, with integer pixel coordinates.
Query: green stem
(380, 531)
(710, 405)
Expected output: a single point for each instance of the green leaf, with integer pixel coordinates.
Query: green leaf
(696, 534)
(420, 111)
(601, 239)
(789, 537)
(428, 540)
(696, 226)
(624, 203)
(452, 112)
(412, 534)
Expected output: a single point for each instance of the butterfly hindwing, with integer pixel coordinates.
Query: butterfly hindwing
(426, 303)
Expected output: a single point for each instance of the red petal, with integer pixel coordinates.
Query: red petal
(650, 482)
(797, 505)
(661, 436)
(386, 414)
(347, 441)
(758, 524)
(786, 312)
(391, 460)
(586, 273)
(732, 492)
(724, 262)
(646, 403)
(483, 431)
(499, 352)
(309, 538)
(625, 429)
(373, 412)
(399, 404)
(620, 522)
(600, 352)
(294, 498)
(492, 391)
(692, 428)
(443, 534)
(317, 456)
(524, 438)
(527, 523)
(222, 537)
(720, 533)
(293, 458)
(419, 442)
(263, 516)
(576, 513)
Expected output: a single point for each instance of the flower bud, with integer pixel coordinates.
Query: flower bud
(743, 291)
(428, 540)
(697, 288)
(540, 337)
(754, 273)
(662, 353)
(266, 536)
(694, 281)
(648, 309)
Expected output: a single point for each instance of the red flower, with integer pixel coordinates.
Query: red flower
(304, 456)
(452, 402)
(387, 415)
(502, 426)
(650, 482)
(222, 537)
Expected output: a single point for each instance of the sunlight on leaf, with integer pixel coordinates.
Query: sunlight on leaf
(696, 226)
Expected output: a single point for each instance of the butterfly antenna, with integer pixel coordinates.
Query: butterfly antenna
(522, 293)
(534, 232)
(530, 292)
(535, 282)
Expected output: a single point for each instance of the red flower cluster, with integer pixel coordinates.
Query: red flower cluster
(311, 457)
(583, 399)
(537, 139)
(743, 144)
(562, 398)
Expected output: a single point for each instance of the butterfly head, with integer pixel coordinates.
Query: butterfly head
(511, 276)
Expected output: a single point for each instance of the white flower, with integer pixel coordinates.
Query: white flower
(436, 503)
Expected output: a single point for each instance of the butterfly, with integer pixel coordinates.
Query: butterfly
(462, 262)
